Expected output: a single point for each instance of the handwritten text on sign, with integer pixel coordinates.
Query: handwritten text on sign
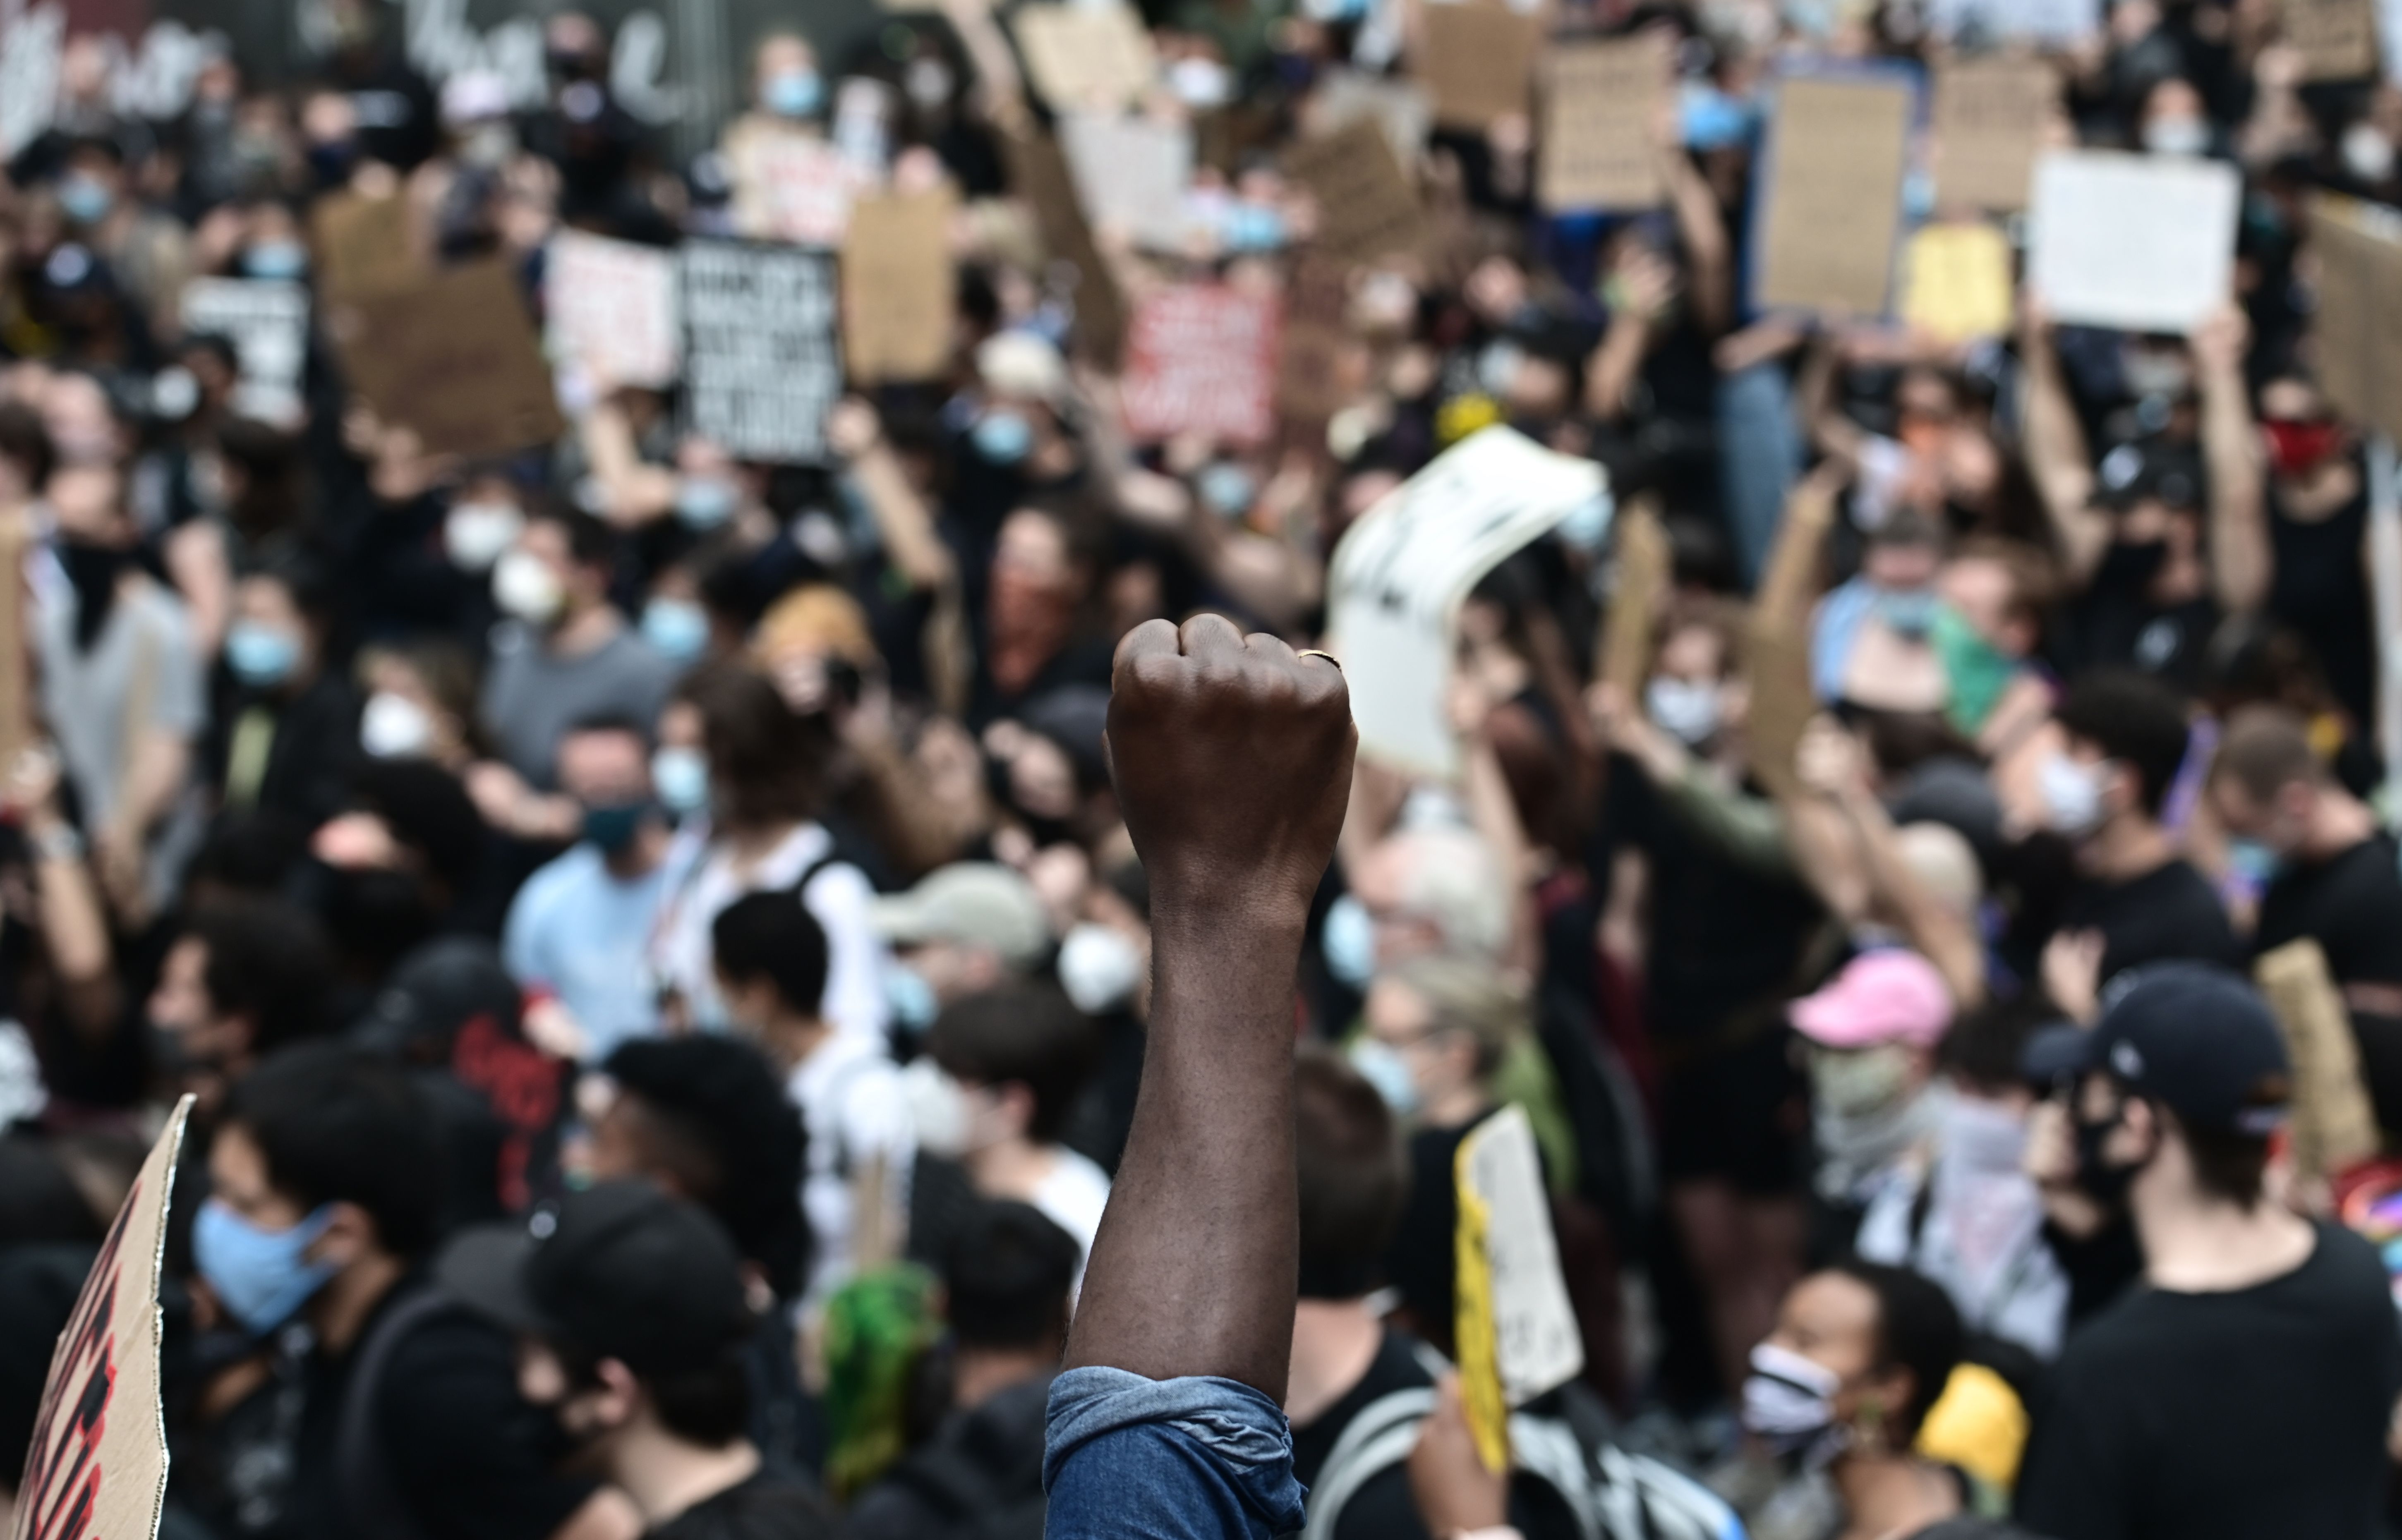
(761, 367)
(1202, 360)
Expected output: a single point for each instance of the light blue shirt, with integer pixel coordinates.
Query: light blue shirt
(582, 934)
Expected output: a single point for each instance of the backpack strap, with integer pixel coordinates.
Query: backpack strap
(1378, 1438)
(369, 1497)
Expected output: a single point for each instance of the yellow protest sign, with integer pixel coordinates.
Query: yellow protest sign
(1957, 282)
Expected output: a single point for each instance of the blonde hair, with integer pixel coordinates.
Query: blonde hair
(1469, 996)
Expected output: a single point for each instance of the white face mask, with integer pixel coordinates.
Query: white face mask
(394, 726)
(1854, 1082)
(946, 1115)
(1687, 710)
(1381, 1064)
(1789, 1404)
(1200, 82)
(2072, 795)
(2176, 136)
(2368, 154)
(476, 533)
(525, 588)
(1099, 967)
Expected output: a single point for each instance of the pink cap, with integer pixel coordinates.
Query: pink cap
(1889, 995)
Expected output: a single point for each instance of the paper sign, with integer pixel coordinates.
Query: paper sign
(1039, 173)
(1832, 199)
(1400, 107)
(1477, 61)
(1957, 282)
(1601, 110)
(2052, 22)
(1989, 122)
(1086, 56)
(97, 1465)
(761, 368)
(2137, 242)
(33, 48)
(2336, 38)
(1312, 375)
(455, 359)
(267, 321)
(612, 307)
(2356, 330)
(1645, 569)
(2334, 1126)
(1367, 205)
(796, 190)
(1201, 358)
(1513, 1311)
(899, 290)
(364, 246)
(1400, 572)
(1131, 174)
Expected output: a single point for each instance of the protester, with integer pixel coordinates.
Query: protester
(963, 930)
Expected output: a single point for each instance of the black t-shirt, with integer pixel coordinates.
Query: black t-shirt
(470, 1458)
(2116, 624)
(2169, 913)
(2257, 1412)
(2320, 591)
(765, 1505)
(2351, 904)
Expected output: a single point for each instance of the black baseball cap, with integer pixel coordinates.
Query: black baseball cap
(620, 1271)
(2199, 1040)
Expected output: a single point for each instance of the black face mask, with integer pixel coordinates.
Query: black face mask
(92, 570)
(2132, 564)
(2105, 1183)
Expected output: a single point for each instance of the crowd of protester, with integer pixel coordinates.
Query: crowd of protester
(665, 977)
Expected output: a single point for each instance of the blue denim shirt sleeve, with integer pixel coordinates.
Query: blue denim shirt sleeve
(1187, 1459)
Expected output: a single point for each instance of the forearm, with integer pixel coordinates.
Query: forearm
(2057, 458)
(75, 928)
(902, 519)
(1942, 935)
(1615, 365)
(153, 779)
(1747, 830)
(1711, 289)
(1829, 430)
(631, 491)
(1193, 1268)
(2240, 557)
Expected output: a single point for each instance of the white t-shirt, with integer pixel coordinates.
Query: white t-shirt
(1072, 1196)
(855, 1112)
(703, 880)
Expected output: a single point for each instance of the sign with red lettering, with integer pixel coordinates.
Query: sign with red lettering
(97, 1467)
(1201, 358)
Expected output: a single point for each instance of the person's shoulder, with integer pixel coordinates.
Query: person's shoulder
(2113, 1345)
(2345, 1269)
(766, 1506)
(558, 877)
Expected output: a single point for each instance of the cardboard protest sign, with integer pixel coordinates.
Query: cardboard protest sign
(898, 287)
(2137, 242)
(1830, 219)
(364, 246)
(1477, 59)
(17, 684)
(267, 321)
(2356, 330)
(1638, 591)
(791, 187)
(455, 359)
(1093, 57)
(1601, 107)
(1516, 1332)
(761, 367)
(1400, 107)
(1367, 205)
(1039, 173)
(1311, 372)
(612, 307)
(1397, 578)
(1989, 124)
(96, 1469)
(2336, 38)
(1131, 173)
(2333, 1124)
(1957, 282)
(1201, 358)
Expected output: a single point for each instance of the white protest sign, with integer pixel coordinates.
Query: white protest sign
(97, 1462)
(612, 307)
(761, 363)
(1131, 173)
(2136, 243)
(32, 46)
(267, 321)
(2054, 22)
(1537, 1347)
(802, 189)
(1401, 572)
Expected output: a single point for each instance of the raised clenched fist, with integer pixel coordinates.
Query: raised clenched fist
(1232, 757)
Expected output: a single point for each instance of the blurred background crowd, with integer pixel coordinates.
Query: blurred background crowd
(619, 817)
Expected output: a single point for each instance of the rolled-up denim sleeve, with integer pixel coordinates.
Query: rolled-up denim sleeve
(1188, 1459)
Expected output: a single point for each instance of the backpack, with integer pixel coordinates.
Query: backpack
(1611, 1494)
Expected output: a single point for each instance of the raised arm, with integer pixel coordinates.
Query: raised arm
(2057, 454)
(2241, 562)
(1231, 759)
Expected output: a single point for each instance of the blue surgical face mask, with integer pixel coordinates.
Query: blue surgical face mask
(2255, 861)
(85, 200)
(1381, 1065)
(678, 627)
(614, 829)
(1002, 437)
(1349, 942)
(1907, 613)
(793, 94)
(1225, 489)
(1688, 710)
(1253, 228)
(261, 1276)
(1587, 524)
(704, 502)
(259, 655)
(282, 259)
(910, 998)
(1707, 118)
(680, 775)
